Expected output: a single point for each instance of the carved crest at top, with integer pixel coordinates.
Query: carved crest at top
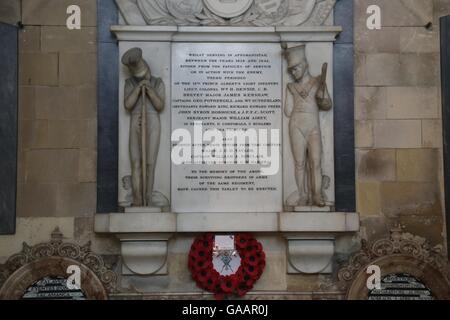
(226, 12)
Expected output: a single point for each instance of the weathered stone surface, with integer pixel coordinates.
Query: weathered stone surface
(65, 103)
(381, 69)
(430, 227)
(441, 8)
(100, 244)
(420, 69)
(88, 136)
(368, 198)
(67, 134)
(364, 134)
(10, 11)
(409, 198)
(77, 69)
(432, 133)
(27, 101)
(306, 284)
(347, 244)
(397, 13)
(48, 166)
(274, 276)
(77, 199)
(37, 200)
(371, 103)
(20, 166)
(398, 133)
(88, 165)
(38, 69)
(419, 40)
(53, 12)
(389, 69)
(412, 102)
(396, 40)
(61, 39)
(417, 165)
(87, 103)
(385, 40)
(180, 278)
(374, 228)
(33, 134)
(59, 134)
(376, 165)
(30, 38)
(34, 231)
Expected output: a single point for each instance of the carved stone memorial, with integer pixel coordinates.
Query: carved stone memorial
(226, 125)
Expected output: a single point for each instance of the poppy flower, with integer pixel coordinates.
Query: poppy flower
(228, 284)
(241, 240)
(252, 272)
(242, 289)
(203, 275)
(251, 259)
(219, 296)
(210, 284)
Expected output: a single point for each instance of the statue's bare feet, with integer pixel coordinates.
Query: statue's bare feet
(318, 201)
(302, 201)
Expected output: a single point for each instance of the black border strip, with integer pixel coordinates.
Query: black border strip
(445, 82)
(8, 127)
(107, 111)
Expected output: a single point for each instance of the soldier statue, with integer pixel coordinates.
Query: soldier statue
(144, 97)
(305, 97)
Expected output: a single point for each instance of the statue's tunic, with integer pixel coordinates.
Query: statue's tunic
(153, 127)
(305, 136)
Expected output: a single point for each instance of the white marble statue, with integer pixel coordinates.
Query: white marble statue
(305, 97)
(144, 97)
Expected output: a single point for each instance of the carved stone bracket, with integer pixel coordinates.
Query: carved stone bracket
(143, 237)
(311, 239)
(401, 252)
(52, 258)
(144, 256)
(310, 255)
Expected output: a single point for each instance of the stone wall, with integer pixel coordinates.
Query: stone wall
(57, 152)
(398, 119)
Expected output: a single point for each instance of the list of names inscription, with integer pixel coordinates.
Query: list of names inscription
(234, 89)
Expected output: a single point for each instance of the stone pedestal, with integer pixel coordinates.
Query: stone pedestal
(144, 236)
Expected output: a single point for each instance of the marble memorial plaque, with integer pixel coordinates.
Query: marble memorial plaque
(51, 288)
(401, 287)
(221, 92)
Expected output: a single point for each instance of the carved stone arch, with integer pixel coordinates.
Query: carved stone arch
(400, 253)
(16, 285)
(52, 259)
(421, 270)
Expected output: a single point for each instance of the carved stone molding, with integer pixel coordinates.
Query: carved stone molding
(310, 255)
(226, 12)
(33, 263)
(144, 255)
(401, 252)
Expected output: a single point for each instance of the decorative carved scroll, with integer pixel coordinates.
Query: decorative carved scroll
(196, 12)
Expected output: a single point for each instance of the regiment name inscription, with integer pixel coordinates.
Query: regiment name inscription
(226, 124)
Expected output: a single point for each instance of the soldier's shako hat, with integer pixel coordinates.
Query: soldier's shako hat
(134, 61)
(295, 55)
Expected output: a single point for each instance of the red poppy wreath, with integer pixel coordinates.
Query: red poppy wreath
(253, 261)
